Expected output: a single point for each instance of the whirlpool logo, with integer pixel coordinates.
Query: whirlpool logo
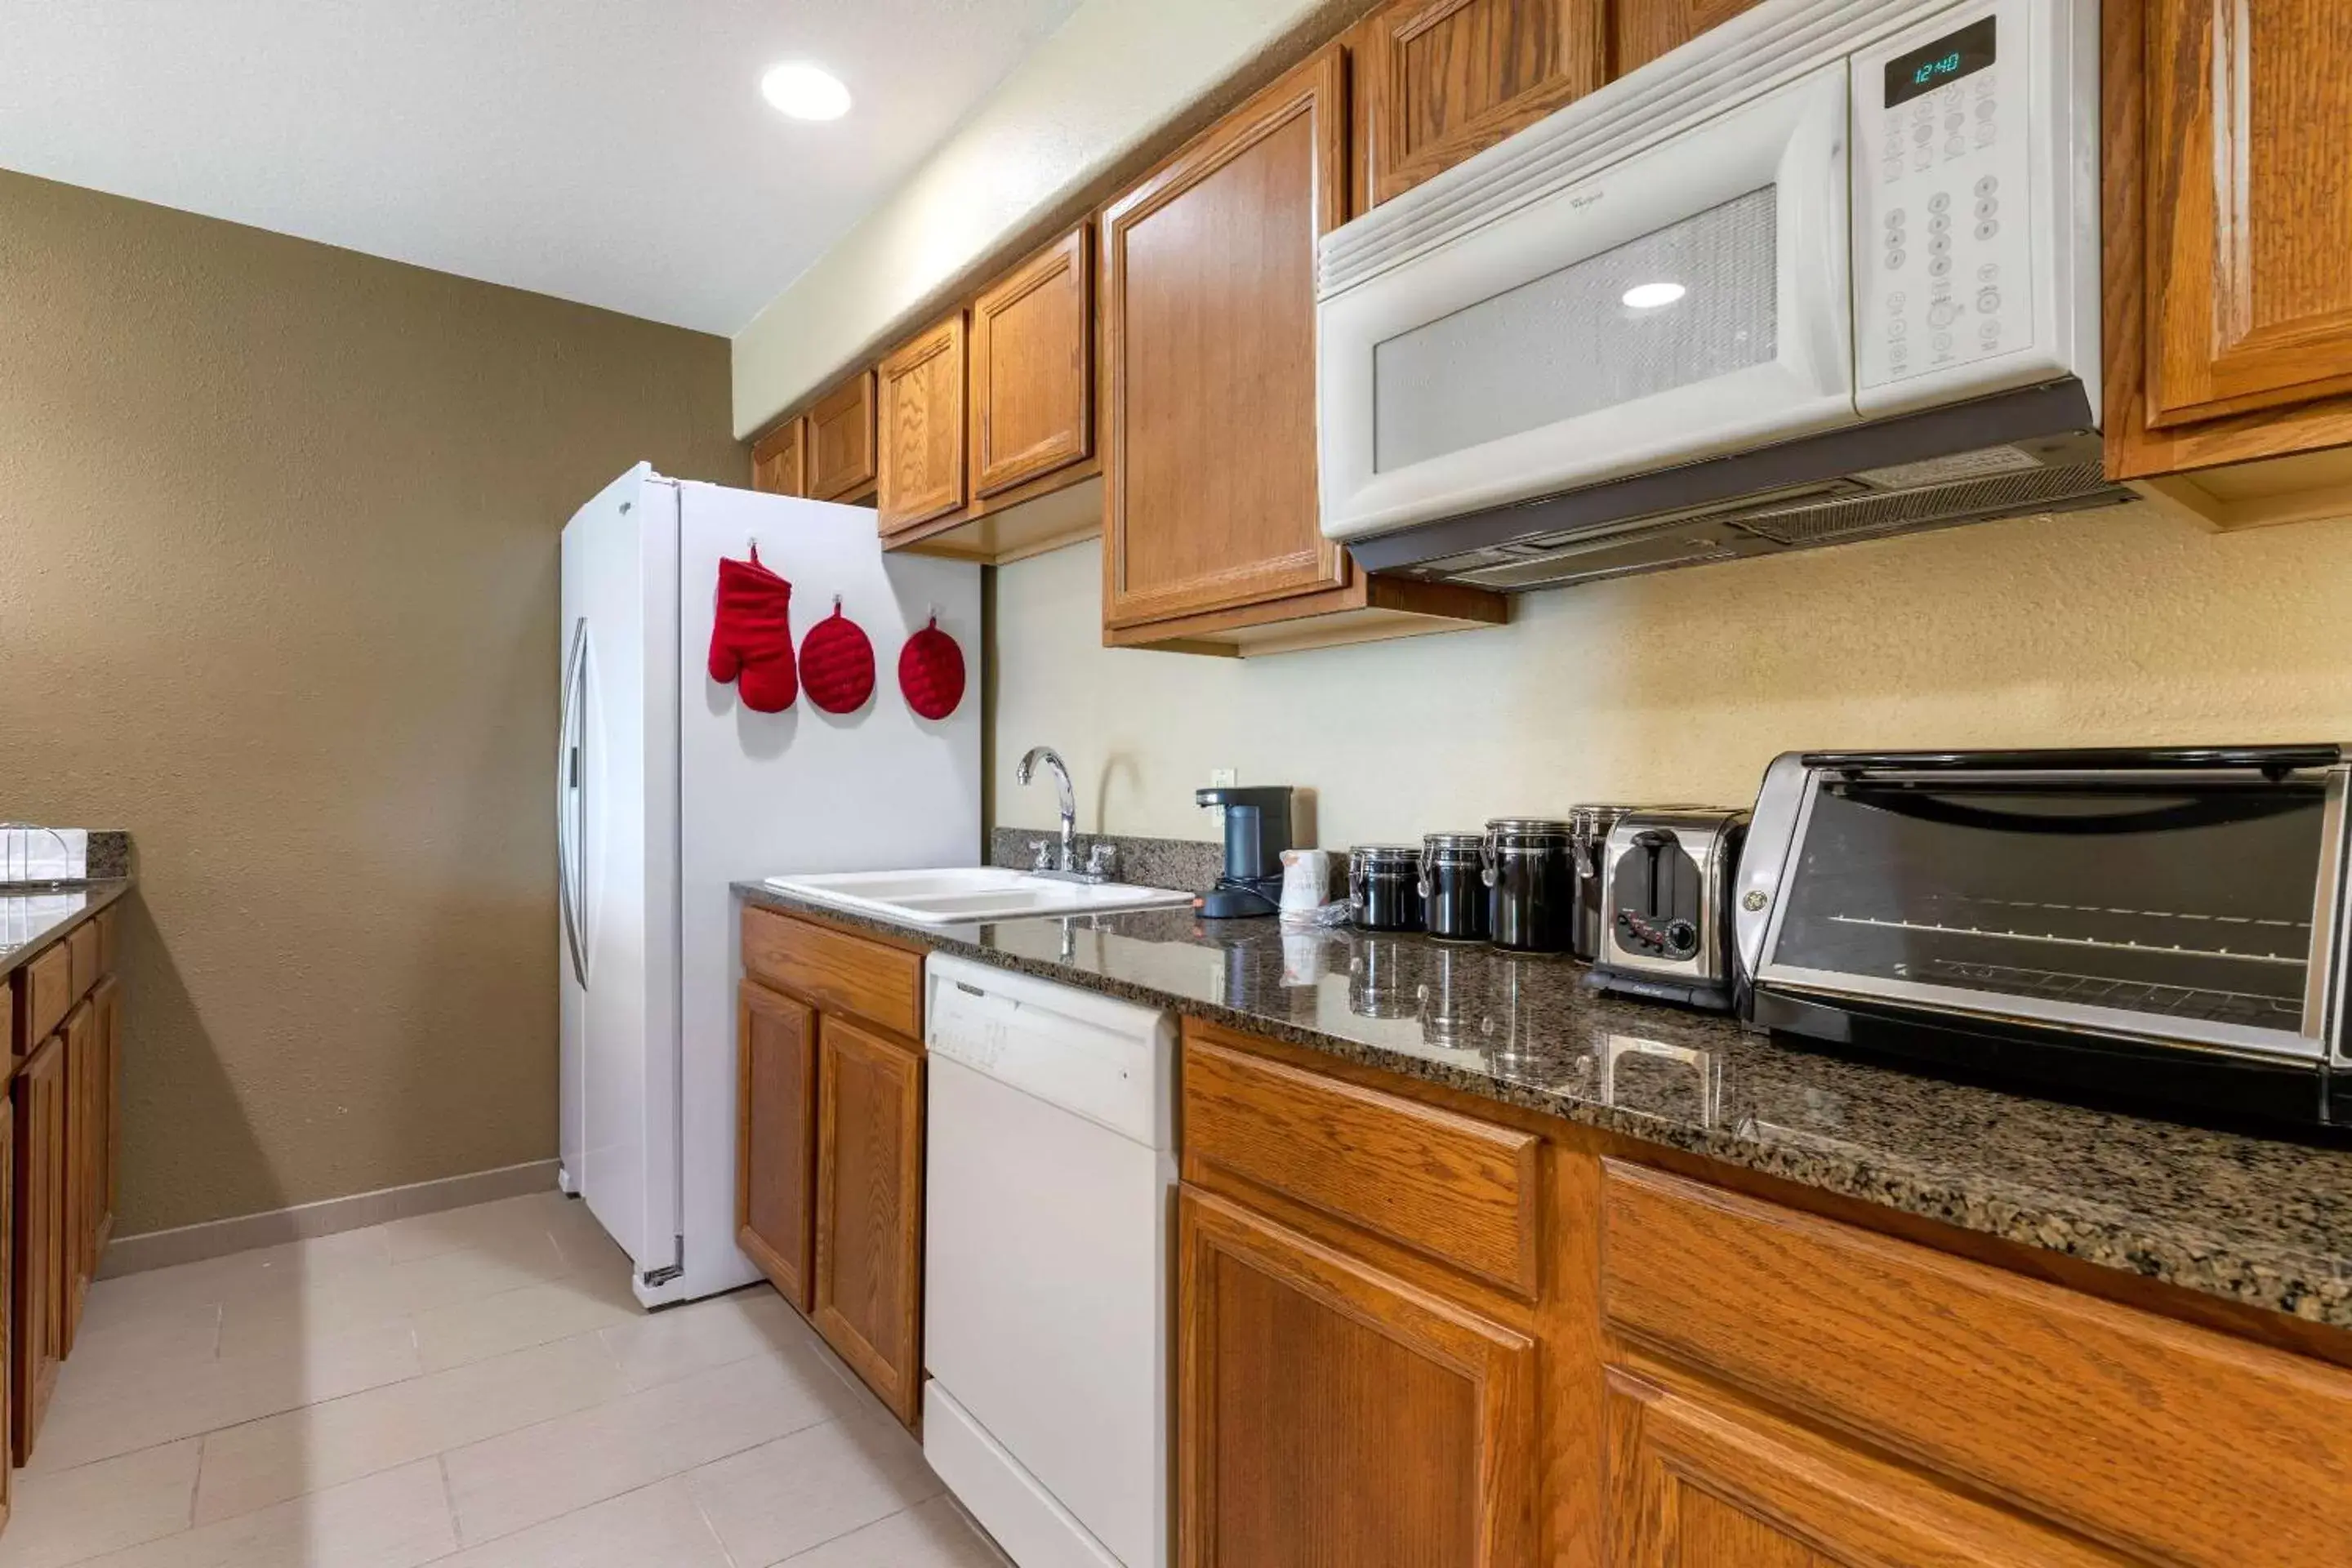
(1584, 199)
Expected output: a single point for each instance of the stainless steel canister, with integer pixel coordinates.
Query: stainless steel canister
(1384, 886)
(1530, 883)
(1453, 891)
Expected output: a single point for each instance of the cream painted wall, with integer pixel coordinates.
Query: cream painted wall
(2115, 626)
(1113, 73)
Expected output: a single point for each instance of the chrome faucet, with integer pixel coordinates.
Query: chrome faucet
(1064, 796)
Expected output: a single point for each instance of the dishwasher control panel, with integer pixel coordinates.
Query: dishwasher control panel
(1110, 1061)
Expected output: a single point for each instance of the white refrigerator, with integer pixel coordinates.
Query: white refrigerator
(668, 789)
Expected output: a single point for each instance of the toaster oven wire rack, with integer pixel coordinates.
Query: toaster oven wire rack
(2207, 1003)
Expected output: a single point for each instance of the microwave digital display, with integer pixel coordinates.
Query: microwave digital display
(1948, 58)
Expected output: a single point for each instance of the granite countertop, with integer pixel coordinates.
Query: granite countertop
(2259, 1220)
(32, 917)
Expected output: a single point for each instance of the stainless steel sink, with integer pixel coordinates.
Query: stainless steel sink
(971, 893)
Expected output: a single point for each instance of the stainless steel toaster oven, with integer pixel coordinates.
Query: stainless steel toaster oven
(2162, 923)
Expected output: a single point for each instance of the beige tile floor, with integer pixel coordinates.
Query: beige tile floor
(475, 1388)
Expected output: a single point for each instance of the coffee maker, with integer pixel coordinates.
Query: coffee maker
(1257, 830)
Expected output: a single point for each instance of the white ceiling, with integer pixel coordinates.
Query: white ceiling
(612, 152)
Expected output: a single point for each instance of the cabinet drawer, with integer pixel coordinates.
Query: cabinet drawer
(836, 971)
(83, 946)
(105, 927)
(1459, 1189)
(2163, 1439)
(47, 990)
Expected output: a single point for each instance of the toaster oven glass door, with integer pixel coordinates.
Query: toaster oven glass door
(2192, 911)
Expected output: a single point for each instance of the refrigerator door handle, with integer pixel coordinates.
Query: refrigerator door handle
(568, 785)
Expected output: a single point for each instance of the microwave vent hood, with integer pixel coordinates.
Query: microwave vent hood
(2016, 454)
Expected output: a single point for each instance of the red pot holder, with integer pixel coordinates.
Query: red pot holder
(837, 664)
(930, 672)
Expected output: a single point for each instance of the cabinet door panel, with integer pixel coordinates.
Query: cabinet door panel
(776, 460)
(869, 1226)
(110, 1174)
(1330, 1416)
(1033, 368)
(85, 1147)
(1209, 360)
(37, 1289)
(1442, 80)
(775, 1150)
(922, 388)
(1698, 1479)
(1641, 30)
(10, 1322)
(837, 446)
(2249, 193)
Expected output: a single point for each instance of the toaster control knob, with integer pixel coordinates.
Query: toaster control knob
(1682, 938)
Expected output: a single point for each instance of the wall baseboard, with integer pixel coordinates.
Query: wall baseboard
(273, 1227)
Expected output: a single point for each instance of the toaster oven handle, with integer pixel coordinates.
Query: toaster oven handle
(2274, 761)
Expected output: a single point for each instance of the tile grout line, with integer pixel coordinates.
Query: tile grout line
(726, 1554)
(449, 1502)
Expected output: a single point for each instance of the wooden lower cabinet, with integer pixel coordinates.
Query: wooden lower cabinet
(869, 1210)
(1331, 1416)
(8, 1302)
(829, 1152)
(37, 1289)
(1705, 1378)
(60, 1154)
(1698, 1479)
(775, 1189)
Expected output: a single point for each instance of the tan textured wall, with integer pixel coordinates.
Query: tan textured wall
(278, 535)
(2115, 626)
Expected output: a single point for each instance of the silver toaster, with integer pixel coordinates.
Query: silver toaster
(1666, 931)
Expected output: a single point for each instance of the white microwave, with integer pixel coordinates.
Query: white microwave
(1823, 220)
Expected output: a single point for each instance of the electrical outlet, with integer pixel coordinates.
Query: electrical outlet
(1218, 778)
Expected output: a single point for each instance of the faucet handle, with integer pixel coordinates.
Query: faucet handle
(1102, 860)
(1041, 856)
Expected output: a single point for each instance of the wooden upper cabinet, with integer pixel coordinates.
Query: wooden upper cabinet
(839, 442)
(1641, 30)
(2229, 166)
(868, 1302)
(1328, 1413)
(775, 1144)
(920, 389)
(1208, 378)
(1438, 80)
(776, 466)
(1033, 368)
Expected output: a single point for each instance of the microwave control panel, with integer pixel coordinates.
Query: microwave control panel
(1943, 201)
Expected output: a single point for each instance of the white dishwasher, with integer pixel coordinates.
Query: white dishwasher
(1048, 1286)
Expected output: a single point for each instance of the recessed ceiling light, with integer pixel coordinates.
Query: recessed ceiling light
(804, 92)
(1650, 296)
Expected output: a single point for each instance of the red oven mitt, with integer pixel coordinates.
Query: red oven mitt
(752, 636)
